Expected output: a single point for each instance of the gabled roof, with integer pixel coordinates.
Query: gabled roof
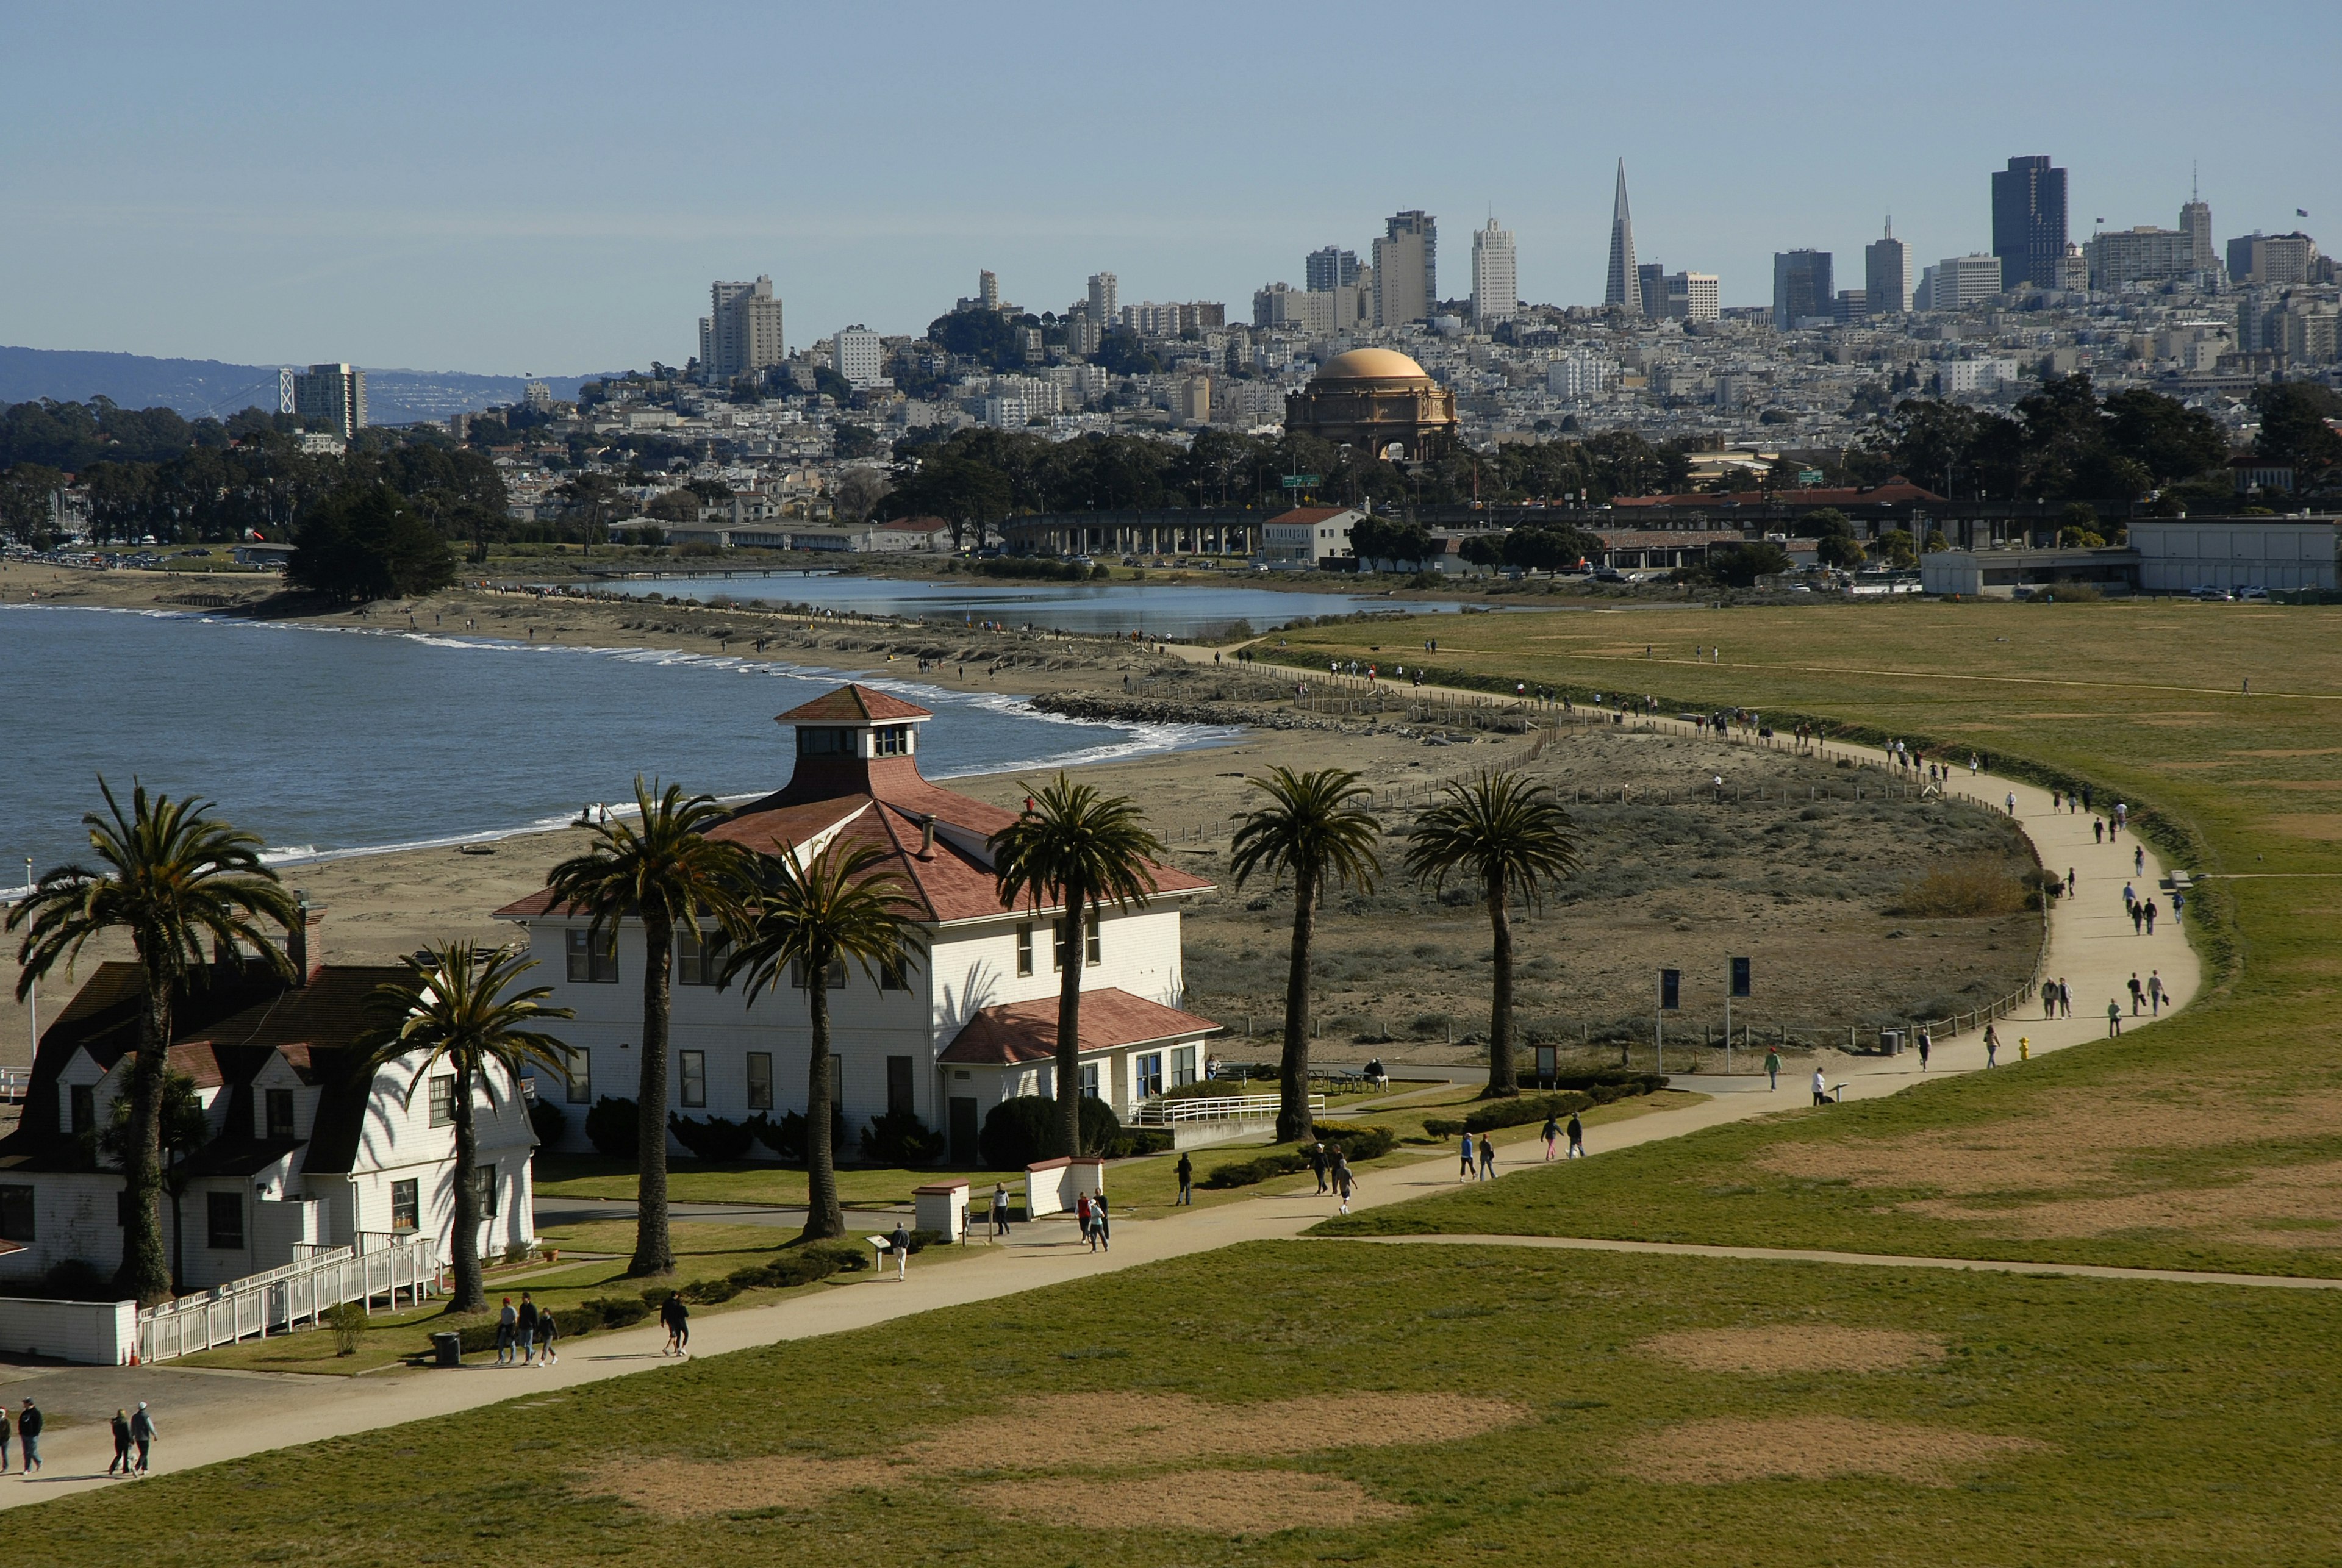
(1020, 1031)
(1315, 513)
(853, 704)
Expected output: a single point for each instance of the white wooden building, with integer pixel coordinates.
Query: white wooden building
(949, 1038)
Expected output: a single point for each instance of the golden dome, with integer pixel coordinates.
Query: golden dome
(1371, 365)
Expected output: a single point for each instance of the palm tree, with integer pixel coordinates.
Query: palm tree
(1506, 833)
(1081, 850)
(455, 1006)
(183, 1129)
(812, 917)
(173, 877)
(665, 870)
(1312, 831)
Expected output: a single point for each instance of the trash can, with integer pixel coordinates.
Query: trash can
(449, 1348)
(1890, 1042)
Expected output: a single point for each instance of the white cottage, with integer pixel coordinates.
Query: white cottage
(308, 1146)
(948, 1037)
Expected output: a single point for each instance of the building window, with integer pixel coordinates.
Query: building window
(692, 1066)
(894, 976)
(818, 743)
(1089, 1081)
(223, 1221)
(16, 1214)
(280, 1112)
(1024, 950)
(406, 1205)
(443, 1100)
(483, 1188)
(760, 1080)
(593, 962)
(1092, 949)
(1150, 1074)
(892, 741)
(580, 1077)
(81, 1101)
(836, 973)
(1183, 1066)
(898, 1084)
(699, 957)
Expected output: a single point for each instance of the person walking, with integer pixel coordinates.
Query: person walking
(2114, 1019)
(1577, 1131)
(1551, 1133)
(2069, 881)
(1772, 1071)
(1318, 1166)
(2097, 830)
(121, 1444)
(1991, 1046)
(1488, 1158)
(7, 1434)
(1000, 1202)
(1927, 1043)
(899, 1243)
(2012, 803)
(1821, 1089)
(141, 1432)
(28, 1434)
(678, 1319)
(2138, 860)
(1082, 1218)
(2149, 907)
(1465, 1174)
(524, 1330)
(1102, 1217)
(547, 1331)
(1343, 1183)
(2049, 999)
(2137, 994)
(1186, 1181)
(2138, 918)
(2155, 993)
(508, 1326)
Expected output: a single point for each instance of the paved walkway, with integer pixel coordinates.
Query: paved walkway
(206, 1416)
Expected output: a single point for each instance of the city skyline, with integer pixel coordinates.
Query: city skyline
(535, 229)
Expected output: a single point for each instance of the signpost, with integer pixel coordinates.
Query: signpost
(1739, 987)
(1671, 998)
(1300, 482)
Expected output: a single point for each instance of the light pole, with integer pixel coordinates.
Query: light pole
(33, 991)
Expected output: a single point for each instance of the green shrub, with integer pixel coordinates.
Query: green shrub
(1355, 1144)
(787, 1137)
(614, 1128)
(1579, 1092)
(716, 1138)
(1140, 1141)
(609, 1312)
(900, 1138)
(549, 1121)
(1018, 1132)
(348, 1321)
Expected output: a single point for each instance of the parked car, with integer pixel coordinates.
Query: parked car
(2210, 594)
(2253, 593)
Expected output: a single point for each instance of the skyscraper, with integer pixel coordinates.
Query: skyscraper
(1624, 286)
(2029, 222)
(1886, 274)
(1495, 279)
(1330, 268)
(2195, 223)
(1801, 287)
(987, 289)
(1406, 269)
(1102, 306)
(1692, 295)
(741, 334)
(334, 394)
(1651, 278)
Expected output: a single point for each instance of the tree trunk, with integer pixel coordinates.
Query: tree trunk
(1293, 1123)
(825, 1217)
(464, 1247)
(654, 1248)
(1073, 953)
(145, 1274)
(1501, 1077)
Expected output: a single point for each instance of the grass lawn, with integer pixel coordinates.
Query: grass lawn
(1358, 1403)
(702, 1252)
(2213, 1139)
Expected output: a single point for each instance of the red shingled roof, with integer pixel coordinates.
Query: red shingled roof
(1896, 492)
(852, 704)
(1020, 1031)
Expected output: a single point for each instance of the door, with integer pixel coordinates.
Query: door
(963, 1131)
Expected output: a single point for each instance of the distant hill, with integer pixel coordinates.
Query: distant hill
(199, 386)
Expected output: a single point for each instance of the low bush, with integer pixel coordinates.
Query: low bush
(900, 1138)
(1574, 1092)
(608, 1311)
(787, 1137)
(1018, 1132)
(550, 1122)
(1355, 1144)
(347, 1321)
(1967, 889)
(614, 1128)
(716, 1138)
(1140, 1141)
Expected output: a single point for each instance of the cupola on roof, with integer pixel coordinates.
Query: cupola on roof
(1371, 365)
(853, 704)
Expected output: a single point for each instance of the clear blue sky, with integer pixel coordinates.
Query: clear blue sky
(505, 188)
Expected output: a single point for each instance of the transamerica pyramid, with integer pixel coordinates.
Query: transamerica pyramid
(1625, 287)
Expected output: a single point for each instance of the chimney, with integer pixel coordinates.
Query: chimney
(296, 937)
(927, 836)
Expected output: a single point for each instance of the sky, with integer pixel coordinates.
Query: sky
(516, 188)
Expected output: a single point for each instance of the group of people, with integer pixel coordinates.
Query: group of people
(526, 1334)
(1091, 1215)
(1332, 1168)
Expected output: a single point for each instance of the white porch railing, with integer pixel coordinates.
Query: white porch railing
(14, 1082)
(1232, 1108)
(274, 1302)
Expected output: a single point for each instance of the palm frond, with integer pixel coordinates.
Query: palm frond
(1074, 844)
(1501, 830)
(1312, 826)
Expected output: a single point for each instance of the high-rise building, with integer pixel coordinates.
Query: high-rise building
(1693, 295)
(1103, 310)
(860, 354)
(1651, 289)
(2273, 259)
(1496, 278)
(2141, 255)
(1852, 305)
(2029, 222)
(1406, 269)
(1331, 268)
(334, 394)
(988, 290)
(538, 395)
(2195, 223)
(1623, 287)
(1964, 280)
(1801, 287)
(1886, 274)
(741, 334)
